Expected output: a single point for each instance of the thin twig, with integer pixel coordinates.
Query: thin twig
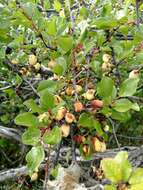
(32, 87)
(114, 132)
(57, 154)
(73, 148)
(47, 173)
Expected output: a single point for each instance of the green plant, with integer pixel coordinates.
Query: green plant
(121, 174)
(88, 68)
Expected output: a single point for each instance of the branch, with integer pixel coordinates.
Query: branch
(10, 133)
(135, 157)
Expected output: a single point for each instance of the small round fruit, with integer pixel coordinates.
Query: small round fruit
(106, 128)
(70, 118)
(32, 59)
(78, 106)
(106, 58)
(57, 100)
(96, 144)
(37, 66)
(89, 95)
(34, 176)
(14, 61)
(134, 74)
(70, 91)
(60, 114)
(23, 71)
(79, 139)
(106, 67)
(65, 129)
(78, 88)
(97, 104)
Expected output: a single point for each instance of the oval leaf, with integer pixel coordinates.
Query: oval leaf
(34, 158)
(52, 137)
(129, 87)
(27, 119)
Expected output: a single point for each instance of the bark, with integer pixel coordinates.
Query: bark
(135, 157)
(10, 133)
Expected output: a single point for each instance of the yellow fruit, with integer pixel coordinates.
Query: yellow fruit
(65, 129)
(14, 61)
(78, 106)
(52, 64)
(37, 66)
(78, 88)
(106, 67)
(106, 58)
(60, 114)
(28, 73)
(70, 91)
(96, 144)
(70, 118)
(34, 176)
(134, 74)
(23, 71)
(106, 128)
(57, 100)
(32, 59)
(89, 95)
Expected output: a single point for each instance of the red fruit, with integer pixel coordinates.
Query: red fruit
(97, 104)
(78, 106)
(79, 138)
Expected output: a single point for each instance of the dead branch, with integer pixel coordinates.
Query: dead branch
(10, 133)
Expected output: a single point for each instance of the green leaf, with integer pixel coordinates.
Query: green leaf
(137, 176)
(85, 121)
(34, 158)
(50, 85)
(110, 187)
(51, 27)
(54, 171)
(46, 100)
(57, 5)
(61, 66)
(117, 169)
(135, 107)
(33, 106)
(129, 87)
(105, 22)
(96, 125)
(31, 136)
(106, 88)
(53, 137)
(121, 116)
(65, 43)
(26, 119)
(126, 167)
(136, 186)
(122, 105)
(112, 170)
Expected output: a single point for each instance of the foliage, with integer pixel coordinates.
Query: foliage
(119, 171)
(71, 69)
